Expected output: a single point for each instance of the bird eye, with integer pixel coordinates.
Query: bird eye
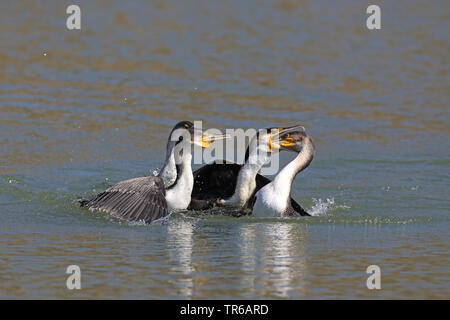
(180, 139)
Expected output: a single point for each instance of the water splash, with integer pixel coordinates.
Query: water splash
(156, 171)
(163, 220)
(322, 207)
(160, 221)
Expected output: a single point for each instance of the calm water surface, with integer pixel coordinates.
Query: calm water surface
(80, 110)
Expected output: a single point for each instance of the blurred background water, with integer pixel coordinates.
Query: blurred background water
(80, 110)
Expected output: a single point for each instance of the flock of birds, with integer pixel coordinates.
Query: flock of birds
(235, 188)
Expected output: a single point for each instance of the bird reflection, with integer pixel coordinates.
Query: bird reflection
(180, 240)
(273, 259)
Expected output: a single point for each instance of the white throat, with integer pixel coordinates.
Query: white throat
(273, 199)
(246, 181)
(178, 196)
(168, 172)
(285, 177)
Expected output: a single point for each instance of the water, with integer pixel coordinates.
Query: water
(81, 110)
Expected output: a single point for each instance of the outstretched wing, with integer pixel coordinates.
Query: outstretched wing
(139, 199)
(218, 181)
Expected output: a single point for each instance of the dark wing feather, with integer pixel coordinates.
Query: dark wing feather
(218, 181)
(215, 181)
(139, 199)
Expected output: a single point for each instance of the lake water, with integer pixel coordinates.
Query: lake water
(81, 110)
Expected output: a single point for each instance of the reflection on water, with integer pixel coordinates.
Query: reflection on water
(249, 262)
(80, 110)
(282, 262)
(289, 262)
(180, 242)
(270, 261)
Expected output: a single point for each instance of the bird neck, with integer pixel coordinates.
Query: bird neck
(246, 180)
(178, 195)
(283, 180)
(168, 172)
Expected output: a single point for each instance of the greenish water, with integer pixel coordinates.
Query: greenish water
(81, 110)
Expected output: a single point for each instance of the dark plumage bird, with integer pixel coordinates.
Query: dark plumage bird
(238, 183)
(147, 198)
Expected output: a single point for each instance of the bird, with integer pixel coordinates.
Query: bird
(274, 198)
(233, 185)
(152, 198)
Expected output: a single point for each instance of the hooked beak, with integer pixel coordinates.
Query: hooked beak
(204, 139)
(275, 142)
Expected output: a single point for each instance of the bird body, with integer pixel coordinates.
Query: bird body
(234, 186)
(273, 198)
(151, 198)
(218, 180)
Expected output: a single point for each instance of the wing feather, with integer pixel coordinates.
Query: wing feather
(139, 199)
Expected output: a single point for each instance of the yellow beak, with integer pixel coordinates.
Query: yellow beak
(208, 139)
(287, 141)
